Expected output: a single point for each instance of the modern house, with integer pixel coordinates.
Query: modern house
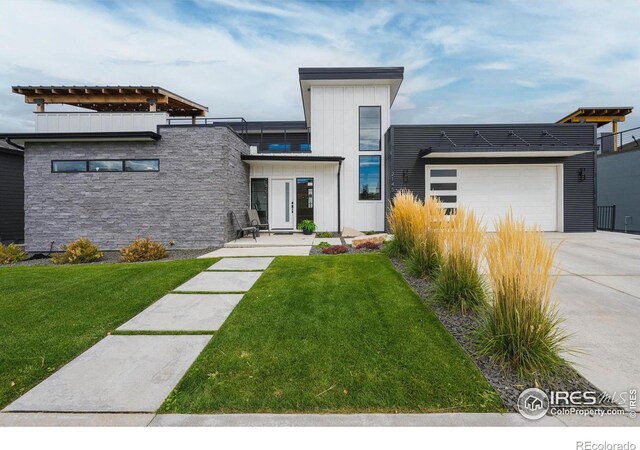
(11, 194)
(146, 161)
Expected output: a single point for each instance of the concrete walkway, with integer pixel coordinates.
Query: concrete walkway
(136, 373)
(306, 420)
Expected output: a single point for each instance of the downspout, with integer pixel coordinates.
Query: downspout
(339, 167)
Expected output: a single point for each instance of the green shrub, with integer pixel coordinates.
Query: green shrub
(77, 252)
(370, 232)
(459, 283)
(323, 245)
(11, 253)
(521, 328)
(324, 234)
(143, 250)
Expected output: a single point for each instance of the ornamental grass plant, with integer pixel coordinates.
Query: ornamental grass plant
(404, 216)
(521, 329)
(459, 284)
(428, 229)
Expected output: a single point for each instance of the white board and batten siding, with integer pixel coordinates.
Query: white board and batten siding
(325, 187)
(81, 122)
(335, 132)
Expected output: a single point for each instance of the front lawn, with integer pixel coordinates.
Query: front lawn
(48, 315)
(332, 334)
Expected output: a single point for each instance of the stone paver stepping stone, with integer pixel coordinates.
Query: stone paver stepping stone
(242, 264)
(185, 312)
(220, 282)
(118, 374)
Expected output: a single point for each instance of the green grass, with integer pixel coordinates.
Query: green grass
(48, 315)
(332, 334)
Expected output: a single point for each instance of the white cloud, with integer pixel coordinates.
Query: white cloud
(465, 61)
(495, 65)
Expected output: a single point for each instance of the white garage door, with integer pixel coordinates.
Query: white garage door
(530, 191)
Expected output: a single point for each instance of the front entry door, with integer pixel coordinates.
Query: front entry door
(282, 201)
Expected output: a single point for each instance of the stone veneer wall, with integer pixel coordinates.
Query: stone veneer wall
(201, 179)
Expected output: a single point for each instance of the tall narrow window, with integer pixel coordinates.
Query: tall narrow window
(304, 199)
(260, 198)
(370, 178)
(369, 128)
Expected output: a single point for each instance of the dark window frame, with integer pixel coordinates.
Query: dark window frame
(379, 196)
(89, 161)
(124, 165)
(379, 127)
(86, 165)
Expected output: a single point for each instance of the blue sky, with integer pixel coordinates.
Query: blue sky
(465, 62)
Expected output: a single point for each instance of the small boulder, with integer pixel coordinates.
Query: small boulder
(376, 238)
(351, 233)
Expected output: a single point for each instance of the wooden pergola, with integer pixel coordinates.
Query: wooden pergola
(112, 99)
(600, 116)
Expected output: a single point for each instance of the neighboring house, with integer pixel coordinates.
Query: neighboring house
(11, 194)
(618, 182)
(136, 166)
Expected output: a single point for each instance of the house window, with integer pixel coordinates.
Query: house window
(260, 198)
(370, 128)
(370, 178)
(141, 165)
(105, 166)
(444, 173)
(68, 166)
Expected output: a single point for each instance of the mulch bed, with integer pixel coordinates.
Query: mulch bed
(506, 382)
(111, 257)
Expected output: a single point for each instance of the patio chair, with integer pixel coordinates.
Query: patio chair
(240, 230)
(254, 220)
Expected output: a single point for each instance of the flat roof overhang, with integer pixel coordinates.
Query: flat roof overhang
(346, 76)
(113, 99)
(115, 136)
(252, 159)
(430, 154)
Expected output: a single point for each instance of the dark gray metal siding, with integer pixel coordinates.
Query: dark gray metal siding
(580, 196)
(11, 195)
(405, 142)
(618, 184)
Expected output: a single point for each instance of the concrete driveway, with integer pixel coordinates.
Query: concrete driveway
(598, 294)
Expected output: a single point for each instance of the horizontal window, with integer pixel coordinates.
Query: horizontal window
(444, 172)
(444, 186)
(370, 178)
(450, 211)
(141, 165)
(446, 198)
(105, 166)
(68, 166)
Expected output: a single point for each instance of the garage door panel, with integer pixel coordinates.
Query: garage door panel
(530, 191)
